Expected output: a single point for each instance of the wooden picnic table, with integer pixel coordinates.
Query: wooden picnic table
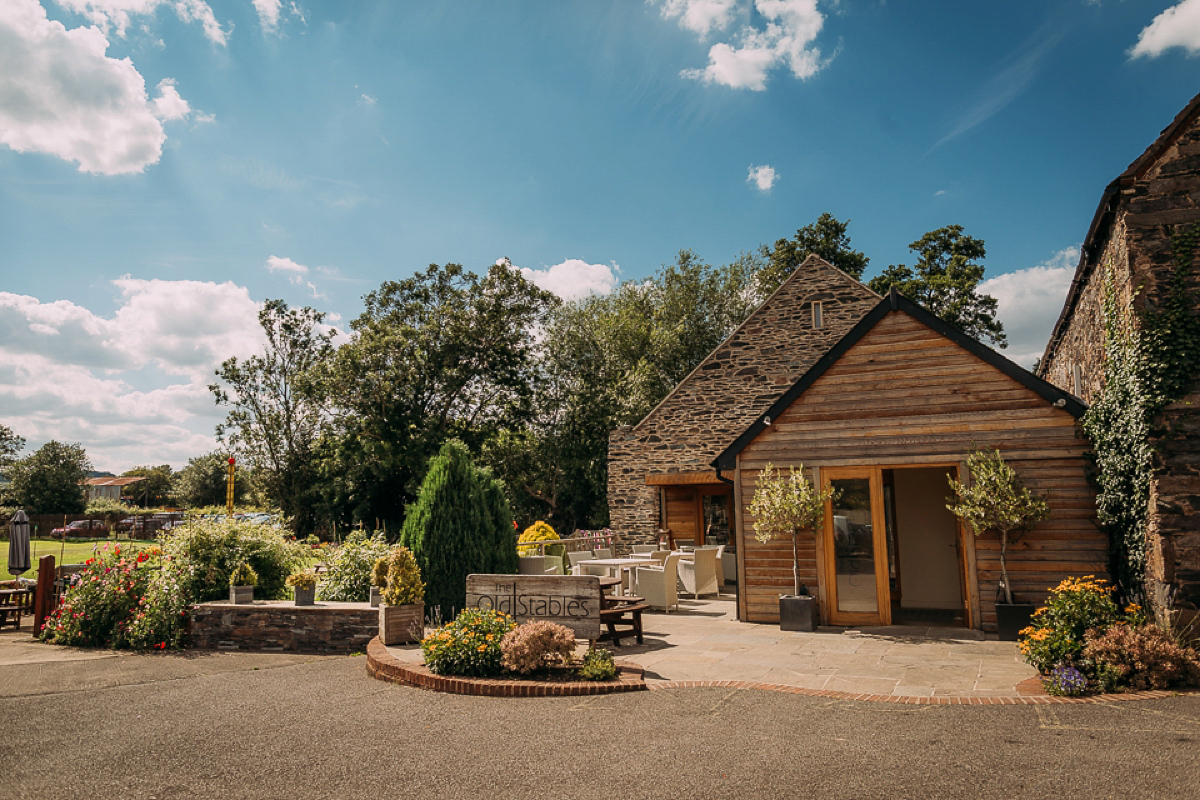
(14, 602)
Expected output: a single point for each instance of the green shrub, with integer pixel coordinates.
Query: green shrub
(1057, 633)
(244, 575)
(1142, 657)
(470, 645)
(598, 665)
(121, 599)
(350, 570)
(535, 645)
(207, 551)
(302, 580)
(449, 528)
(537, 532)
(402, 583)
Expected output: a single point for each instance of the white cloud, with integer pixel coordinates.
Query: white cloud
(791, 29)
(700, 16)
(132, 388)
(62, 96)
(1029, 301)
(114, 14)
(277, 264)
(573, 279)
(763, 177)
(1178, 26)
(366, 100)
(271, 14)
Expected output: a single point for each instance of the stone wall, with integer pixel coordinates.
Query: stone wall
(282, 626)
(728, 390)
(1159, 192)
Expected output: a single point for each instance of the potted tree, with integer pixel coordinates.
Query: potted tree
(998, 500)
(242, 583)
(378, 580)
(787, 503)
(402, 612)
(305, 586)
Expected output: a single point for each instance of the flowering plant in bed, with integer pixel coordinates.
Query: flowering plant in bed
(469, 645)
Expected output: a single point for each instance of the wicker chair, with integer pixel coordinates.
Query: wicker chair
(659, 585)
(699, 575)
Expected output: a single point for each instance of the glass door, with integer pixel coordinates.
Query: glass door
(856, 560)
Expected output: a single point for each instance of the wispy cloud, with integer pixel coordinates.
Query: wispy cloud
(1178, 26)
(1014, 77)
(114, 14)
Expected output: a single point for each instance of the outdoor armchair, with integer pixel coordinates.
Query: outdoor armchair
(699, 575)
(576, 557)
(659, 585)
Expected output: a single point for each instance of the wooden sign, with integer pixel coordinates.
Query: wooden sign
(570, 600)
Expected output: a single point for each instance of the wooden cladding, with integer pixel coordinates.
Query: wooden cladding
(902, 396)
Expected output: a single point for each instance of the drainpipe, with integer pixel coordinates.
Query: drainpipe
(737, 603)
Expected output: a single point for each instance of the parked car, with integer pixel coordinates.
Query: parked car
(83, 529)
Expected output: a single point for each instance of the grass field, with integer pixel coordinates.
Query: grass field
(77, 551)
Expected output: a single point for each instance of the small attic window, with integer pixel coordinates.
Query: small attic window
(818, 319)
(1077, 380)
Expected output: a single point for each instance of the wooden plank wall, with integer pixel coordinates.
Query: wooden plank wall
(905, 395)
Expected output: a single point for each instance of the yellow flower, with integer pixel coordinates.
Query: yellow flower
(481, 648)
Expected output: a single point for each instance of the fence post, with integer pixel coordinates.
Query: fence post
(43, 597)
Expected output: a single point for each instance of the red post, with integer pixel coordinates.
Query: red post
(43, 598)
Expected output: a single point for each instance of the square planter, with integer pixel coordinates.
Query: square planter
(797, 612)
(1011, 618)
(374, 597)
(241, 594)
(306, 597)
(401, 624)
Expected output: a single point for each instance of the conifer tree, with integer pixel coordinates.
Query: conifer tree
(499, 519)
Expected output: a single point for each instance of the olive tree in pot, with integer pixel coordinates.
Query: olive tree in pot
(242, 583)
(996, 499)
(788, 503)
(402, 612)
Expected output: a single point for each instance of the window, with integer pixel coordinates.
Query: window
(818, 320)
(1077, 380)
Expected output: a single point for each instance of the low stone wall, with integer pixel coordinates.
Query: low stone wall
(282, 626)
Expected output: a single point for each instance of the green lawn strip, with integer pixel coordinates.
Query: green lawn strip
(76, 552)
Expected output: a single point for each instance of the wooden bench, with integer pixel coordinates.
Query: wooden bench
(14, 603)
(628, 616)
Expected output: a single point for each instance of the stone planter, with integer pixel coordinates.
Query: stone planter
(306, 597)
(401, 624)
(374, 597)
(241, 594)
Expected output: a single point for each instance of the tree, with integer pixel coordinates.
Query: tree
(275, 415)
(826, 237)
(945, 281)
(787, 504)
(155, 490)
(11, 446)
(997, 500)
(203, 481)
(443, 354)
(50, 481)
(452, 528)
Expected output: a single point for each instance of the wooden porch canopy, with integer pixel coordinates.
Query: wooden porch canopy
(682, 478)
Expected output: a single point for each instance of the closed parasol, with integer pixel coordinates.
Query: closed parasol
(18, 544)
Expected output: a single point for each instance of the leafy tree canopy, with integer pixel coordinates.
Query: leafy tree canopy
(203, 481)
(945, 281)
(155, 490)
(11, 446)
(50, 481)
(826, 237)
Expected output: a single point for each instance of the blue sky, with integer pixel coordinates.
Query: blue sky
(167, 165)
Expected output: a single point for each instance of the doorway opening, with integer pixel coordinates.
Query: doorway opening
(893, 551)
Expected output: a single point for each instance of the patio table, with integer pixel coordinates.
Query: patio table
(618, 565)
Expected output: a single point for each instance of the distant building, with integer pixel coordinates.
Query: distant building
(107, 488)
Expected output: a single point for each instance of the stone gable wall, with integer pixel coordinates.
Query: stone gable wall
(1140, 252)
(731, 387)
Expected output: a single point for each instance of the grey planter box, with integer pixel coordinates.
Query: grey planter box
(375, 597)
(306, 597)
(797, 612)
(241, 594)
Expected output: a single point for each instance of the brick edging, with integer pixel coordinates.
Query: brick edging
(1014, 700)
(383, 666)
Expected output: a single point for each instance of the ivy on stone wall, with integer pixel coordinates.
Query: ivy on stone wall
(1147, 366)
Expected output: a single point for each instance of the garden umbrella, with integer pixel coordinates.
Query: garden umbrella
(18, 544)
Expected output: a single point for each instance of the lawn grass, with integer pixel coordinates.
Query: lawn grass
(76, 552)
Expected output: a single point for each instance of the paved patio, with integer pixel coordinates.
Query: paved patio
(703, 641)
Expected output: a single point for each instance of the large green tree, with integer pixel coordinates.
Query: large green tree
(456, 527)
(443, 354)
(945, 281)
(826, 237)
(50, 480)
(276, 415)
(11, 446)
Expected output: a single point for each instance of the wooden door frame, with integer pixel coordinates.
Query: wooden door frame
(883, 615)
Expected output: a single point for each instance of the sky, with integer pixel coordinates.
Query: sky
(166, 166)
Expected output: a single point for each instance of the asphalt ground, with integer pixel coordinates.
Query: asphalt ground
(253, 726)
